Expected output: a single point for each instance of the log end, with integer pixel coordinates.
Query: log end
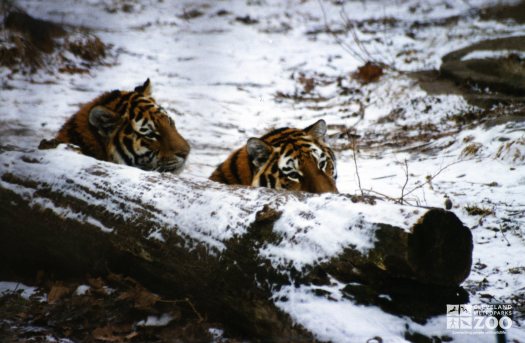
(440, 248)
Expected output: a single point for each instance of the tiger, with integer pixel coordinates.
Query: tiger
(283, 159)
(126, 127)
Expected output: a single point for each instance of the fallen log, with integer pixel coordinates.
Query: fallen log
(227, 248)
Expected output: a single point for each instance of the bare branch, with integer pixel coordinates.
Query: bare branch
(503, 234)
(429, 178)
(343, 45)
(354, 147)
(406, 182)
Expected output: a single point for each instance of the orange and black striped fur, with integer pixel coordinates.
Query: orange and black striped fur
(128, 128)
(286, 158)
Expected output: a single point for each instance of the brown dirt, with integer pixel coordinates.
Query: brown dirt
(369, 72)
(28, 44)
(514, 12)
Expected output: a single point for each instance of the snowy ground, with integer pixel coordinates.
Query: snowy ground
(229, 70)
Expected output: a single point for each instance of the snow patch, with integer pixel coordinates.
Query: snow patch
(484, 54)
(161, 320)
(82, 289)
(15, 287)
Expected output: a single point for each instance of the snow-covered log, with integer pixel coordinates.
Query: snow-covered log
(227, 248)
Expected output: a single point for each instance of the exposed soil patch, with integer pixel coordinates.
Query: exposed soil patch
(39, 32)
(434, 83)
(29, 44)
(369, 72)
(496, 64)
(514, 12)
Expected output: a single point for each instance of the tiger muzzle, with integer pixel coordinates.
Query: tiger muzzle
(315, 180)
(174, 165)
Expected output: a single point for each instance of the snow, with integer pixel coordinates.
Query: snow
(161, 320)
(338, 319)
(219, 79)
(318, 228)
(16, 287)
(217, 334)
(481, 54)
(82, 289)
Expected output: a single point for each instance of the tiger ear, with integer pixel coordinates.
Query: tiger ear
(103, 119)
(258, 151)
(317, 130)
(145, 88)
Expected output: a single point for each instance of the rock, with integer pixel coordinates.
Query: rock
(498, 64)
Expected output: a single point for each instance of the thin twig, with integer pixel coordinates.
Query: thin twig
(432, 177)
(396, 200)
(353, 30)
(354, 147)
(359, 44)
(343, 45)
(503, 234)
(406, 182)
(402, 200)
(387, 197)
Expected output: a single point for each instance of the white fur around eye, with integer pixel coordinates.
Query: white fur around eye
(290, 168)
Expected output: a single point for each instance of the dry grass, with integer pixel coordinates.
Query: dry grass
(471, 150)
(91, 49)
(475, 210)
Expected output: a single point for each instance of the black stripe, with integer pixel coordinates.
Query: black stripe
(233, 166)
(289, 152)
(120, 151)
(262, 181)
(147, 104)
(128, 143)
(274, 132)
(272, 181)
(128, 129)
(77, 139)
(331, 153)
(139, 115)
(110, 97)
(131, 110)
(119, 106)
(287, 140)
(222, 176)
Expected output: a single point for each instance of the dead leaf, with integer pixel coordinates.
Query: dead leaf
(114, 333)
(146, 300)
(141, 297)
(96, 283)
(105, 334)
(57, 292)
(370, 72)
(307, 82)
(131, 335)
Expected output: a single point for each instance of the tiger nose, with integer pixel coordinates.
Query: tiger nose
(322, 185)
(315, 180)
(184, 151)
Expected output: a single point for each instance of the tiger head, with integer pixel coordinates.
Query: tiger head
(293, 159)
(129, 128)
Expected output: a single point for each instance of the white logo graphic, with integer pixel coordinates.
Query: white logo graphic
(479, 318)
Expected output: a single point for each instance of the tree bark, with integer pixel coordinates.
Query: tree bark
(83, 218)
